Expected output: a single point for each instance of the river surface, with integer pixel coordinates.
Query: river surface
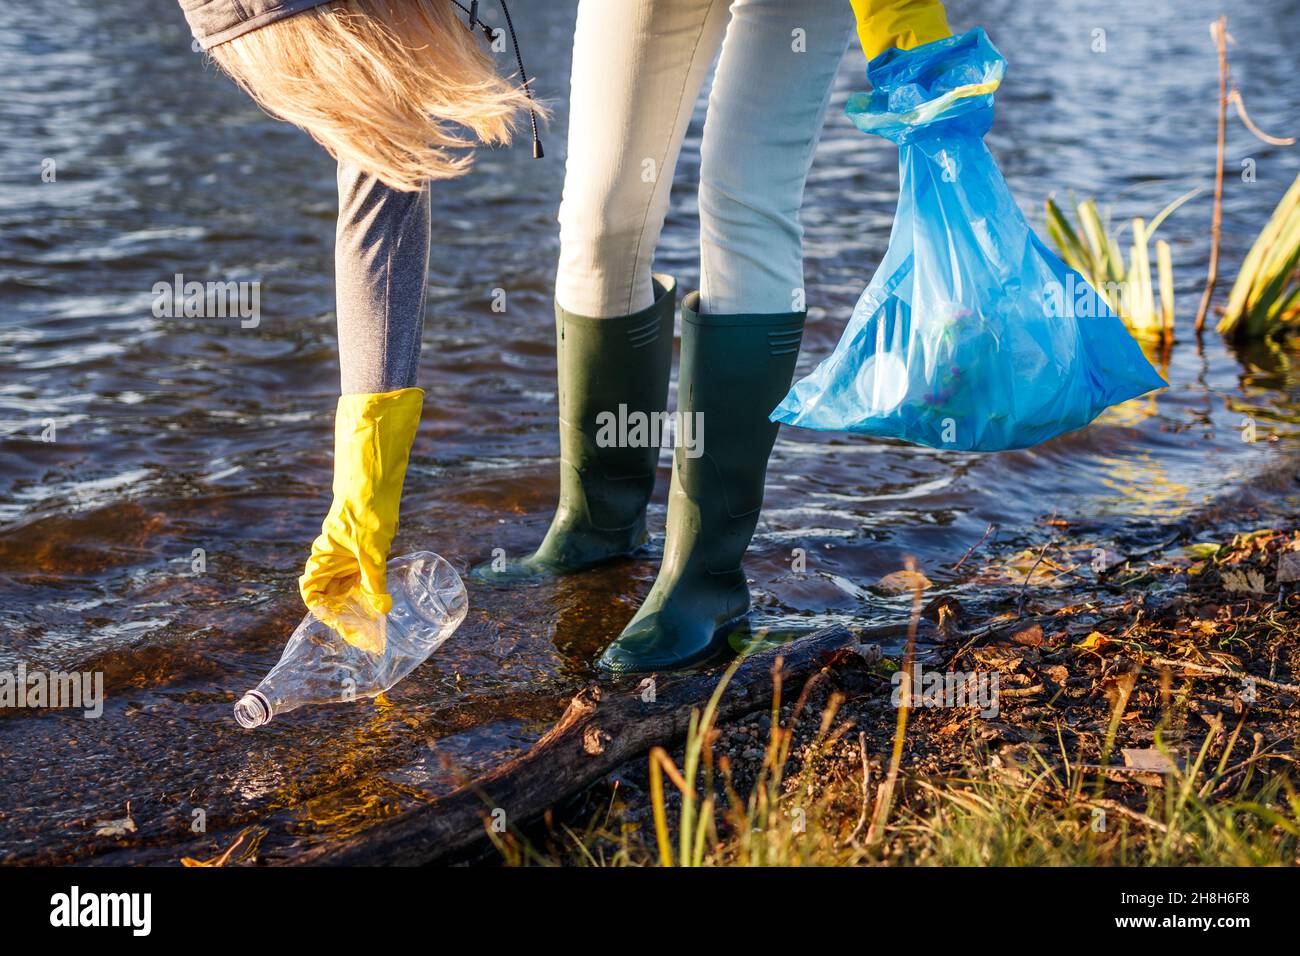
(178, 439)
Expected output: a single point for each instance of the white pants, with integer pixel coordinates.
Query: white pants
(638, 66)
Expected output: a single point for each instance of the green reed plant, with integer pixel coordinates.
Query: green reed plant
(1092, 248)
(1265, 299)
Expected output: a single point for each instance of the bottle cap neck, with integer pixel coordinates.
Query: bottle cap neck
(253, 710)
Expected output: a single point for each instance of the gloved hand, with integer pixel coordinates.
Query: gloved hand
(904, 24)
(345, 581)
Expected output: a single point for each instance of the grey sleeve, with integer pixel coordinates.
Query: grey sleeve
(381, 259)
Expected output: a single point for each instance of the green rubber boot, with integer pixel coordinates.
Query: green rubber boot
(610, 371)
(734, 371)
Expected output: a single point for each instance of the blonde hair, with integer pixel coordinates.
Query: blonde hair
(381, 84)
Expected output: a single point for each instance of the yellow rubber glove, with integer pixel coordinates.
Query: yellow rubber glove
(899, 23)
(345, 581)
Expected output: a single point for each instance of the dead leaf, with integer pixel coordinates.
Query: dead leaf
(1093, 641)
(1058, 673)
(998, 657)
(1288, 567)
(116, 828)
(1148, 759)
(1249, 582)
(1202, 550)
(1032, 636)
(1118, 688)
(900, 582)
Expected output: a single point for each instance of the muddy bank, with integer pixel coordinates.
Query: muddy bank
(1121, 680)
(1189, 631)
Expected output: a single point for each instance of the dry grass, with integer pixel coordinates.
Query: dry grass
(1127, 736)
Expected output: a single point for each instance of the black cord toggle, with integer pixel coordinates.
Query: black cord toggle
(474, 21)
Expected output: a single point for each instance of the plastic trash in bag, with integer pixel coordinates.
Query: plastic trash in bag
(318, 666)
(972, 334)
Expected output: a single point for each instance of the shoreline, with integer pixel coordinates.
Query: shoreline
(1175, 676)
(987, 604)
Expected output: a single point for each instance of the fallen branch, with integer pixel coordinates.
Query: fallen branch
(603, 727)
(1127, 811)
(971, 549)
(1226, 672)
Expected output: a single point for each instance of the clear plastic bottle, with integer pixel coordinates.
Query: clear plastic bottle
(318, 666)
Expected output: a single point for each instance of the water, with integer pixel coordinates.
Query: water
(158, 538)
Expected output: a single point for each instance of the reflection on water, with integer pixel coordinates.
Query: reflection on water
(157, 538)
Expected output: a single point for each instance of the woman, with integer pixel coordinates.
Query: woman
(390, 88)
(638, 66)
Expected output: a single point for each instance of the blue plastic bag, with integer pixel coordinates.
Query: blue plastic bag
(972, 335)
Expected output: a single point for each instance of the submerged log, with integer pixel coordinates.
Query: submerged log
(603, 727)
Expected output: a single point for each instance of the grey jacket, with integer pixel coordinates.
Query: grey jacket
(216, 21)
